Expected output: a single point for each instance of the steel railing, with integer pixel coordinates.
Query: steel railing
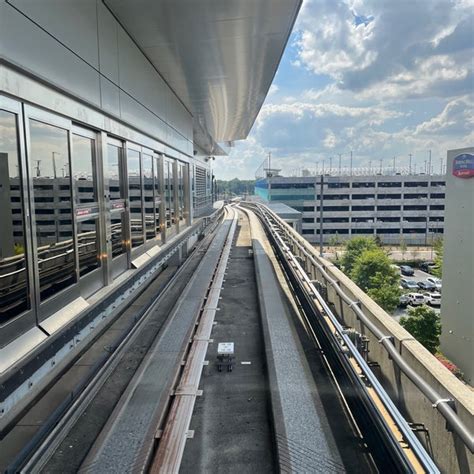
(442, 404)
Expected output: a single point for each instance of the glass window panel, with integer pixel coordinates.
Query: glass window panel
(148, 195)
(181, 204)
(88, 245)
(113, 172)
(135, 197)
(49, 162)
(167, 193)
(83, 175)
(157, 196)
(13, 267)
(171, 210)
(118, 233)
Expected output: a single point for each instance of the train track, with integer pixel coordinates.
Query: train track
(133, 321)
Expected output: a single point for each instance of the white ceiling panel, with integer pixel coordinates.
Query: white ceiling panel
(219, 56)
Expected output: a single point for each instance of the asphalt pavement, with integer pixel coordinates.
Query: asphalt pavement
(418, 276)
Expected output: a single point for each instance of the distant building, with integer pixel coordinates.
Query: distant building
(457, 303)
(398, 207)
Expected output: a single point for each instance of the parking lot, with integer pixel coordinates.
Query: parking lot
(418, 276)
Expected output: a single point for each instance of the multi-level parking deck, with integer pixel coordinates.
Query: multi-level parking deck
(153, 392)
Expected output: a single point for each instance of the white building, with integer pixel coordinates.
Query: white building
(457, 304)
(398, 207)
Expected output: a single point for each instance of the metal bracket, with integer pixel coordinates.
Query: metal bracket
(383, 338)
(449, 401)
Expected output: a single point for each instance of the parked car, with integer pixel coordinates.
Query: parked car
(436, 282)
(403, 301)
(427, 266)
(416, 299)
(407, 270)
(433, 299)
(426, 285)
(409, 284)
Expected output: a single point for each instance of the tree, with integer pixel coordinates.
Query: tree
(373, 273)
(384, 292)
(354, 248)
(334, 242)
(372, 268)
(378, 241)
(424, 324)
(403, 247)
(438, 260)
(235, 186)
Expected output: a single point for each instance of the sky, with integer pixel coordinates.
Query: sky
(383, 78)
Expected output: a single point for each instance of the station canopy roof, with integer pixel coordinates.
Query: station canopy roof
(219, 56)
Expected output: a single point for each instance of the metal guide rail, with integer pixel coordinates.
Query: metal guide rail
(383, 426)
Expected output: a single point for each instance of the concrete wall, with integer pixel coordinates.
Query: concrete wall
(79, 47)
(457, 306)
(448, 451)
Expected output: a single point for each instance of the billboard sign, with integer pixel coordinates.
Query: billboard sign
(463, 166)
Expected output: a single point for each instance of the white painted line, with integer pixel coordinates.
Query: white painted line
(246, 362)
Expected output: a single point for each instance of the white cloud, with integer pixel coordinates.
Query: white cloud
(398, 83)
(330, 140)
(403, 49)
(273, 90)
(457, 118)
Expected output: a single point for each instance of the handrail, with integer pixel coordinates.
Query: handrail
(439, 402)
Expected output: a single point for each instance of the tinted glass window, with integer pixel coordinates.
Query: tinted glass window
(148, 196)
(49, 166)
(13, 275)
(88, 246)
(113, 172)
(83, 175)
(135, 197)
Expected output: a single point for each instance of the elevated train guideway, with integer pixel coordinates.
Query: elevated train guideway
(297, 393)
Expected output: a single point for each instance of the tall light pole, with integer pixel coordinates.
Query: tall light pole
(54, 153)
(409, 166)
(269, 173)
(339, 164)
(351, 162)
(321, 202)
(429, 164)
(330, 164)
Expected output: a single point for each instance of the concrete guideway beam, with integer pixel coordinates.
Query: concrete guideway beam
(297, 412)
